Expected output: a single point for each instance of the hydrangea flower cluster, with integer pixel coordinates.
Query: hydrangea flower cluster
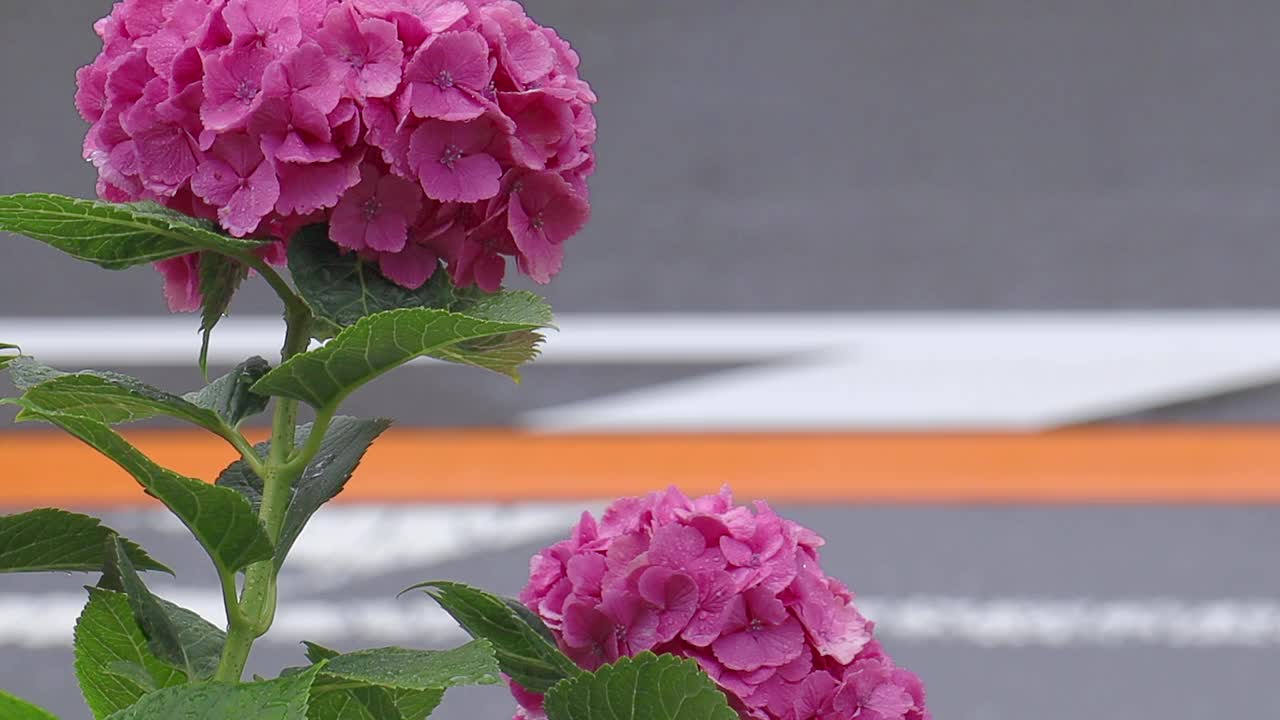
(740, 592)
(421, 130)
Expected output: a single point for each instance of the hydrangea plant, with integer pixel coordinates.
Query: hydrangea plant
(740, 591)
(393, 154)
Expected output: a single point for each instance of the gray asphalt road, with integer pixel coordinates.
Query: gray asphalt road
(876, 154)
(758, 155)
(1196, 555)
(870, 155)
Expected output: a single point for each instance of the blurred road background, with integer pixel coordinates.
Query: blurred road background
(800, 165)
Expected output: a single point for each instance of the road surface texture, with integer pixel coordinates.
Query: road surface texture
(809, 156)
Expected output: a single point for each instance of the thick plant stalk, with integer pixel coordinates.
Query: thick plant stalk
(251, 616)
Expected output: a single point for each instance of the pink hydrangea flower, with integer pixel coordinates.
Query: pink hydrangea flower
(544, 212)
(238, 179)
(448, 75)
(233, 86)
(261, 114)
(434, 238)
(739, 590)
(544, 125)
(481, 260)
(293, 131)
(758, 632)
(452, 161)
(181, 283)
(303, 75)
(271, 24)
(417, 20)
(167, 150)
(365, 53)
(377, 213)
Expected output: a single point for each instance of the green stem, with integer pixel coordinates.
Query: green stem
(247, 453)
(292, 302)
(235, 651)
(256, 608)
(285, 421)
(297, 461)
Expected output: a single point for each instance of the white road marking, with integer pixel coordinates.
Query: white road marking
(875, 371)
(45, 620)
(343, 544)
(1028, 622)
(954, 372)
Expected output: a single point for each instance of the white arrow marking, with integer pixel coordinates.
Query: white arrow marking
(934, 371)
(971, 372)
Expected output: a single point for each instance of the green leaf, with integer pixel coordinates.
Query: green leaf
(403, 669)
(230, 397)
(520, 640)
(112, 235)
(341, 288)
(8, 353)
(12, 708)
(531, 618)
(284, 698)
(135, 673)
(106, 638)
(341, 451)
(501, 353)
(26, 373)
(109, 398)
(219, 518)
(645, 687)
(220, 277)
(378, 343)
(318, 653)
(203, 639)
(344, 445)
(334, 699)
(52, 540)
(175, 635)
(416, 704)
(238, 476)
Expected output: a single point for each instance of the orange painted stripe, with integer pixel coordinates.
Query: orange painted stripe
(1219, 465)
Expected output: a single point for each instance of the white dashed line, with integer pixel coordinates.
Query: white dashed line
(45, 620)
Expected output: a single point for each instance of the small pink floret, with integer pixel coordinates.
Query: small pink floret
(376, 214)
